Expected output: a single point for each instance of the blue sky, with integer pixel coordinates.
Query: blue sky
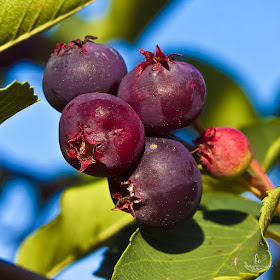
(242, 36)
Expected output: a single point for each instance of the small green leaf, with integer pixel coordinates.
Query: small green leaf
(86, 221)
(272, 154)
(270, 203)
(262, 134)
(226, 103)
(219, 243)
(21, 20)
(14, 98)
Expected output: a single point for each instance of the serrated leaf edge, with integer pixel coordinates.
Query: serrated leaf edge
(270, 203)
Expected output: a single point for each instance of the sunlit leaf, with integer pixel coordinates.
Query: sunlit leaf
(212, 184)
(262, 134)
(226, 103)
(14, 98)
(85, 222)
(125, 19)
(217, 244)
(272, 154)
(21, 20)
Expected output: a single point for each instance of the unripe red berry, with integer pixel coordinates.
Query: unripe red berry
(224, 151)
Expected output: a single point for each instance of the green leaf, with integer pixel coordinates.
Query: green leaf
(85, 222)
(212, 184)
(226, 103)
(262, 134)
(219, 243)
(272, 154)
(21, 20)
(126, 19)
(270, 203)
(14, 98)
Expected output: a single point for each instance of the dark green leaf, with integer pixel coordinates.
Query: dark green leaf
(262, 134)
(21, 20)
(14, 98)
(85, 222)
(219, 243)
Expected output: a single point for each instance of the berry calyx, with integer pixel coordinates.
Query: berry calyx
(81, 67)
(100, 134)
(166, 93)
(84, 150)
(160, 57)
(224, 151)
(162, 188)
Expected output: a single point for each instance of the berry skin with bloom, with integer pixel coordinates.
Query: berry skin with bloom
(166, 93)
(81, 67)
(100, 134)
(224, 151)
(163, 188)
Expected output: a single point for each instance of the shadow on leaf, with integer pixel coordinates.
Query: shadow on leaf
(117, 245)
(184, 238)
(224, 217)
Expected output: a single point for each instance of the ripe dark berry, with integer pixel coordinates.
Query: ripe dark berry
(81, 67)
(100, 134)
(224, 151)
(162, 188)
(166, 93)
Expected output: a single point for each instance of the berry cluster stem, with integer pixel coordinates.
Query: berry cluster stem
(249, 182)
(264, 184)
(258, 170)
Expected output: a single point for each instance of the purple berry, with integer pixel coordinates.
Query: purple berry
(224, 151)
(81, 67)
(163, 188)
(100, 134)
(166, 93)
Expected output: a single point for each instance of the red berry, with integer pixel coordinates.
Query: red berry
(224, 151)
(81, 67)
(100, 134)
(166, 93)
(163, 188)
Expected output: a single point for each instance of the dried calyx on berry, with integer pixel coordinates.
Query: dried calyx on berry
(81, 67)
(100, 134)
(62, 47)
(166, 93)
(160, 57)
(162, 188)
(224, 151)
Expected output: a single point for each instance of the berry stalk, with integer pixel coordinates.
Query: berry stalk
(189, 146)
(198, 126)
(264, 183)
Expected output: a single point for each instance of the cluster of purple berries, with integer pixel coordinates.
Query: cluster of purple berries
(114, 124)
